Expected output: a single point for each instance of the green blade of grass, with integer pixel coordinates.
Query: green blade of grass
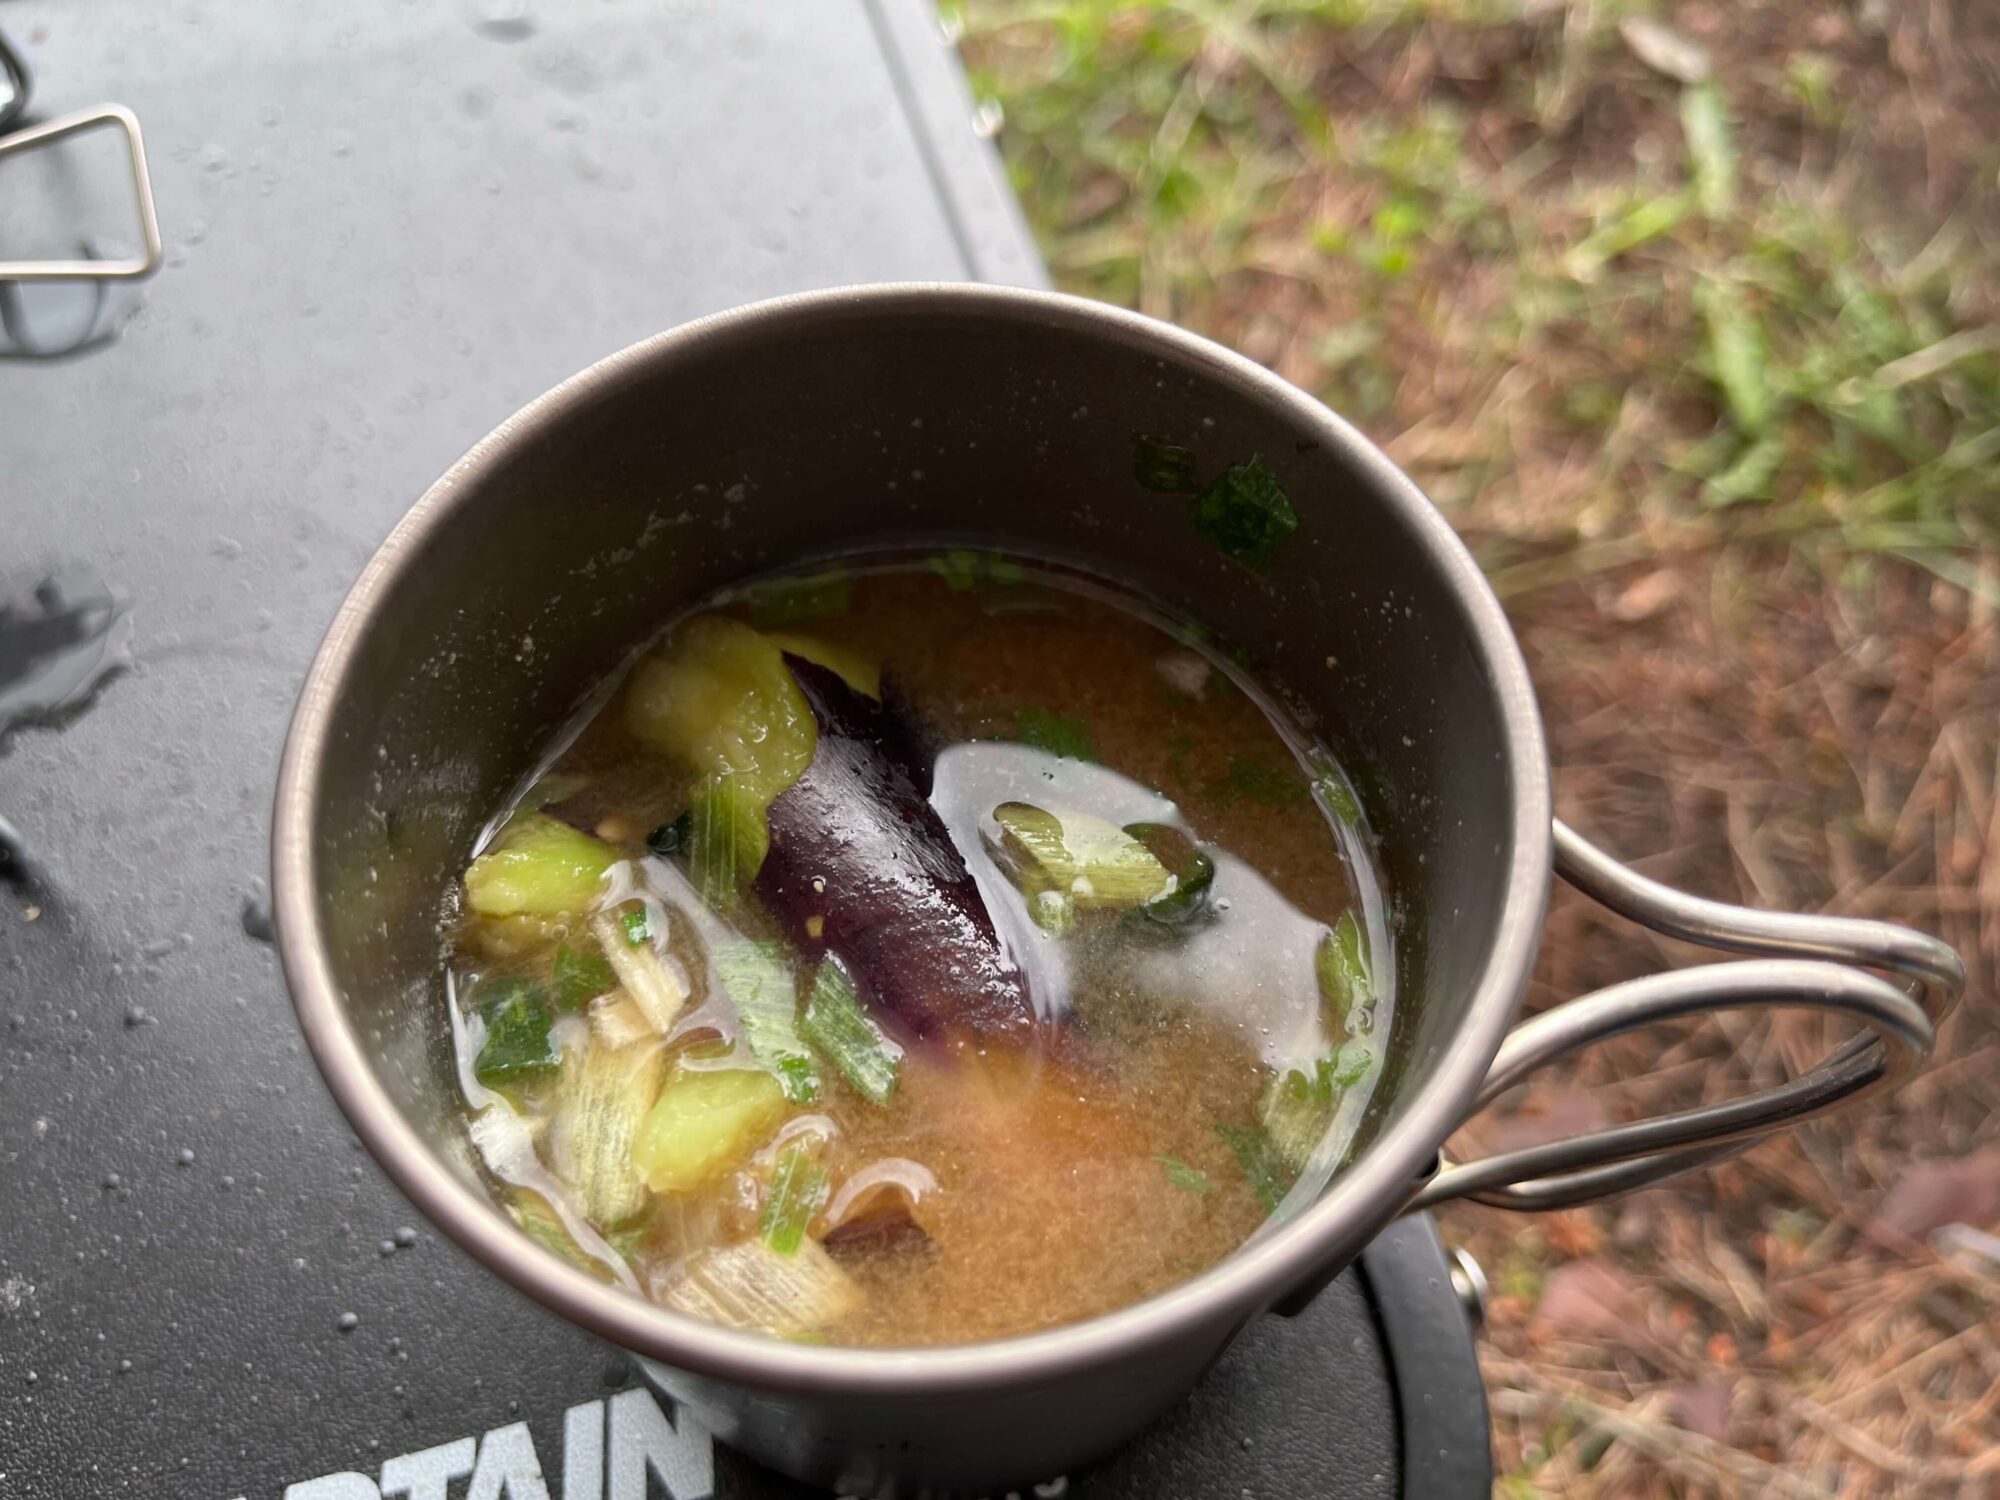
(1739, 356)
(1642, 221)
(1711, 149)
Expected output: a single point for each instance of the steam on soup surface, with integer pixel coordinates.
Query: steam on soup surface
(932, 950)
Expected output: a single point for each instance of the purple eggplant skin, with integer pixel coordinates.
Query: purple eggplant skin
(861, 865)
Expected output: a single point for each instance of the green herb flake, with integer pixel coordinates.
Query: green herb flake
(1187, 1178)
(1261, 1168)
(1341, 964)
(1338, 798)
(798, 1078)
(518, 1049)
(1166, 468)
(1245, 514)
(1353, 1062)
(799, 601)
(638, 931)
(1058, 734)
(578, 977)
(798, 1188)
(1258, 782)
(963, 569)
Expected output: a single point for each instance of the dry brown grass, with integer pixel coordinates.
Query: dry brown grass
(1445, 217)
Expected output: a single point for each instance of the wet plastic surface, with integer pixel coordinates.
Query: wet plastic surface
(387, 227)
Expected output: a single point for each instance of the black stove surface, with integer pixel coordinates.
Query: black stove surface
(387, 228)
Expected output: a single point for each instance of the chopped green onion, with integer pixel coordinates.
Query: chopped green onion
(1263, 1170)
(1183, 1176)
(1341, 963)
(718, 699)
(751, 1286)
(1182, 857)
(617, 1021)
(798, 1190)
(760, 986)
(799, 601)
(637, 930)
(1057, 734)
(727, 840)
(630, 1240)
(1246, 515)
(959, 569)
(1164, 467)
(579, 977)
(1093, 862)
(1297, 1106)
(517, 1049)
(962, 568)
(1296, 1109)
(1352, 1062)
(1337, 797)
(602, 1098)
(657, 989)
(1054, 912)
(835, 1022)
(545, 1227)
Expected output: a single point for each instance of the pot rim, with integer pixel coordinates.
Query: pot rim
(1349, 1212)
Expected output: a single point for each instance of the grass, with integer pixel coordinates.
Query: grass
(1702, 355)
(1548, 278)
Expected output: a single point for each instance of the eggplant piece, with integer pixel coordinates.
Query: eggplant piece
(861, 866)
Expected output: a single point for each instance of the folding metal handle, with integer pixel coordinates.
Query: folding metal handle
(130, 268)
(1823, 970)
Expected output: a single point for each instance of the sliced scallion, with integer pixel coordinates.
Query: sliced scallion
(798, 1191)
(759, 984)
(1094, 862)
(835, 1022)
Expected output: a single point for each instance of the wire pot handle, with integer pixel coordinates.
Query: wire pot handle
(1815, 962)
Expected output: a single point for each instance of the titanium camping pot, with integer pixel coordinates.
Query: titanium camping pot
(945, 414)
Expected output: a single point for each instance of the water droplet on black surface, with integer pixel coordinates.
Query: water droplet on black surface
(13, 853)
(406, 1236)
(348, 1322)
(256, 918)
(60, 640)
(503, 20)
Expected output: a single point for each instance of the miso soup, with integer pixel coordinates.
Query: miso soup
(928, 949)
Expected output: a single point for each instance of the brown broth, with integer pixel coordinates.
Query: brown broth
(1105, 1164)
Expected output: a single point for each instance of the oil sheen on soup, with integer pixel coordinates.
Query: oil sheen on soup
(925, 950)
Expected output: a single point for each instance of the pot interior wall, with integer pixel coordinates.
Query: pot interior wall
(764, 442)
